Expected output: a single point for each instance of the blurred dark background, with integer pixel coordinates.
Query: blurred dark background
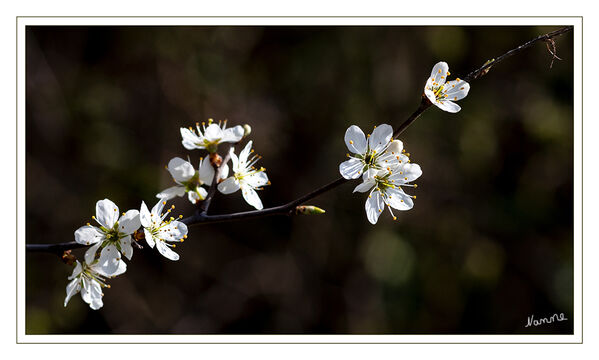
(488, 243)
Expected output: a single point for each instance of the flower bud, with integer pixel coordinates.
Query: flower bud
(309, 210)
(215, 159)
(247, 130)
(68, 258)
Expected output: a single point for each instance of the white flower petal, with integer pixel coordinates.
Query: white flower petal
(206, 171)
(456, 90)
(410, 172)
(355, 140)
(144, 215)
(191, 140)
(233, 135)
(244, 154)
(180, 169)
(374, 207)
(174, 231)
(380, 137)
(91, 293)
(90, 254)
(87, 235)
(157, 210)
(107, 213)
(126, 248)
(430, 95)
(251, 197)
(367, 185)
(76, 271)
(398, 199)
(228, 186)
(165, 251)
(213, 133)
(256, 179)
(171, 192)
(439, 73)
(121, 269)
(129, 222)
(224, 173)
(72, 288)
(234, 160)
(351, 169)
(109, 260)
(149, 238)
(448, 106)
(395, 148)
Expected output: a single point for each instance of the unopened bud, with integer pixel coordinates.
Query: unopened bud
(247, 130)
(309, 210)
(68, 258)
(215, 159)
(138, 235)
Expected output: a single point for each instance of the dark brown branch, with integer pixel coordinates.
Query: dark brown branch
(201, 215)
(485, 68)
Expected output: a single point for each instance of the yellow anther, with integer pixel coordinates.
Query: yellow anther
(164, 203)
(370, 196)
(375, 126)
(172, 218)
(395, 218)
(210, 120)
(123, 213)
(439, 71)
(401, 200)
(93, 217)
(347, 154)
(268, 182)
(351, 142)
(405, 178)
(108, 286)
(462, 88)
(174, 245)
(457, 79)
(88, 224)
(184, 236)
(172, 206)
(368, 135)
(388, 168)
(455, 98)
(415, 185)
(180, 216)
(114, 209)
(448, 73)
(414, 197)
(190, 128)
(181, 240)
(380, 210)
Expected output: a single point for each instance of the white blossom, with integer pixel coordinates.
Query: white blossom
(385, 188)
(162, 233)
(208, 137)
(113, 236)
(189, 180)
(89, 279)
(245, 177)
(379, 151)
(442, 93)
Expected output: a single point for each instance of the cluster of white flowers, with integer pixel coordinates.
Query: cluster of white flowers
(384, 166)
(246, 176)
(112, 239)
(380, 160)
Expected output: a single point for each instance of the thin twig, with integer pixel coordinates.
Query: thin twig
(201, 216)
